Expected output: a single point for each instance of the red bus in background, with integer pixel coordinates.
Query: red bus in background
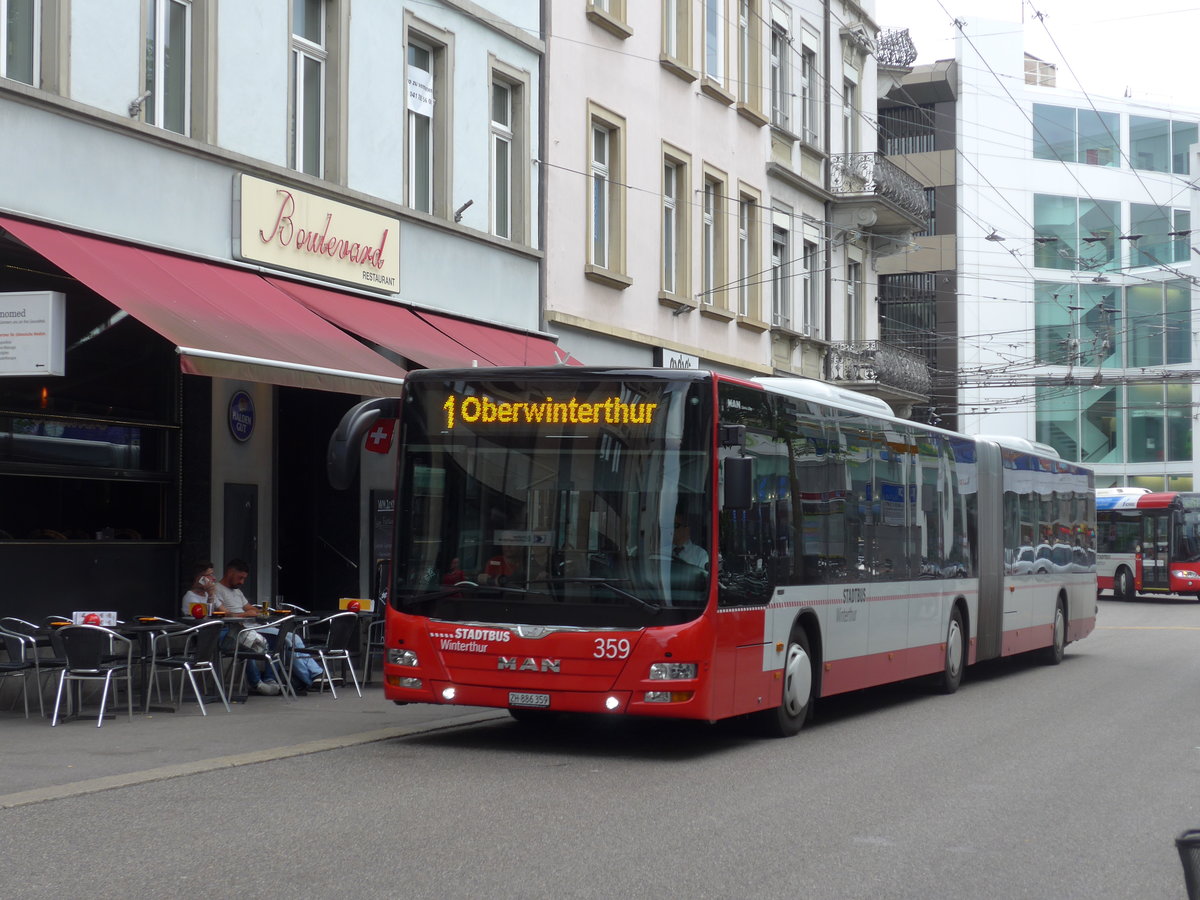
(685, 544)
(1147, 542)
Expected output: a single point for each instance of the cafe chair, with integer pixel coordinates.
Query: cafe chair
(340, 631)
(273, 656)
(375, 646)
(197, 652)
(22, 648)
(94, 653)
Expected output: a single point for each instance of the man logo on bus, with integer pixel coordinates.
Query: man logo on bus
(528, 664)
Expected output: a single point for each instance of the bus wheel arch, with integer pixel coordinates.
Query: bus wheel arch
(954, 659)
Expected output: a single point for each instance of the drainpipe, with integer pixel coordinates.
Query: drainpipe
(828, 123)
(542, 170)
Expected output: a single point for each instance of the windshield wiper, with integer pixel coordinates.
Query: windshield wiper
(604, 583)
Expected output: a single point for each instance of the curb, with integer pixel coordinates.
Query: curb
(162, 773)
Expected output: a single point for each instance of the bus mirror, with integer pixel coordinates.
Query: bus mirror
(345, 444)
(739, 478)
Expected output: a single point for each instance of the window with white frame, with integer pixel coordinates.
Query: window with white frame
(849, 117)
(606, 212)
(856, 326)
(748, 244)
(714, 242)
(749, 54)
(714, 39)
(810, 104)
(810, 280)
(168, 65)
(781, 291)
(677, 31)
(602, 141)
(20, 37)
(309, 58)
(421, 144)
(781, 88)
(502, 158)
(674, 218)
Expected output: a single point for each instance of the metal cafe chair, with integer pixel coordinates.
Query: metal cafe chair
(375, 646)
(198, 650)
(272, 656)
(20, 648)
(94, 653)
(341, 630)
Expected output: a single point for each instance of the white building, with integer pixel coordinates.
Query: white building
(1062, 225)
(238, 219)
(714, 197)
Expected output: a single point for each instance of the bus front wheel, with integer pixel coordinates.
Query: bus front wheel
(1123, 584)
(956, 654)
(789, 716)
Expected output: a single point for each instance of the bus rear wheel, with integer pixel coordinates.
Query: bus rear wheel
(1053, 654)
(789, 716)
(1123, 584)
(956, 654)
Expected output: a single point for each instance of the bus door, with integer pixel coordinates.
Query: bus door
(1154, 552)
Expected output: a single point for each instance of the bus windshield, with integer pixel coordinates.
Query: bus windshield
(573, 501)
(1187, 536)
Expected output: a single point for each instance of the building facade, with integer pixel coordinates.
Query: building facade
(221, 225)
(1062, 224)
(715, 197)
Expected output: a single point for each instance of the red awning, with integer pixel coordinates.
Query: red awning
(396, 327)
(434, 341)
(225, 322)
(497, 347)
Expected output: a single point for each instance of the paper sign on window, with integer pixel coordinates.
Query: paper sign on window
(420, 92)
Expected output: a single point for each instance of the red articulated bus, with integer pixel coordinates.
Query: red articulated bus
(685, 544)
(1147, 542)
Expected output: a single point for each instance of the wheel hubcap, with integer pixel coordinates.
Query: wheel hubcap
(797, 684)
(954, 649)
(1059, 628)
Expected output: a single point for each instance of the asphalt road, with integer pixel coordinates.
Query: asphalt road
(1030, 782)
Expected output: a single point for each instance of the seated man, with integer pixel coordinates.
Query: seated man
(233, 602)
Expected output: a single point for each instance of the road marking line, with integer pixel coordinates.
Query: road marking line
(162, 773)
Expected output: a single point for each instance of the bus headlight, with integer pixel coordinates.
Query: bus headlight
(672, 671)
(1186, 573)
(402, 657)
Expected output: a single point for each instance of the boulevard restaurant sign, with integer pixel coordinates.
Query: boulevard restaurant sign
(280, 226)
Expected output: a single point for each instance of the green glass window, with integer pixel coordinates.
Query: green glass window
(1053, 132)
(1183, 135)
(1152, 223)
(1075, 233)
(1150, 143)
(1146, 437)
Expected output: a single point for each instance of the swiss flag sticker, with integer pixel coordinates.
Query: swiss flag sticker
(379, 438)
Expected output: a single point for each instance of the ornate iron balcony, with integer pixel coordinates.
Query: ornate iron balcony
(881, 364)
(873, 175)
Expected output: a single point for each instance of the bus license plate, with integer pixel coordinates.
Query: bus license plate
(516, 698)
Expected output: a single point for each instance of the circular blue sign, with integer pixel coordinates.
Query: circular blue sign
(241, 416)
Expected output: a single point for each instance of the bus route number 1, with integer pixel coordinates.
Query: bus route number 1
(610, 648)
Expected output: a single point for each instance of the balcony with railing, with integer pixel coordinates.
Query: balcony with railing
(882, 370)
(892, 197)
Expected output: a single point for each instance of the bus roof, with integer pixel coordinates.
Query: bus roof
(1106, 498)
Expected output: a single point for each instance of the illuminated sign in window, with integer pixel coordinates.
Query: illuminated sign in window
(484, 410)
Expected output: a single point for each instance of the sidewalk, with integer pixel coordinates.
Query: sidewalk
(40, 763)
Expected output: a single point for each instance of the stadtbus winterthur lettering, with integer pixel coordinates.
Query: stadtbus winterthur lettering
(612, 411)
